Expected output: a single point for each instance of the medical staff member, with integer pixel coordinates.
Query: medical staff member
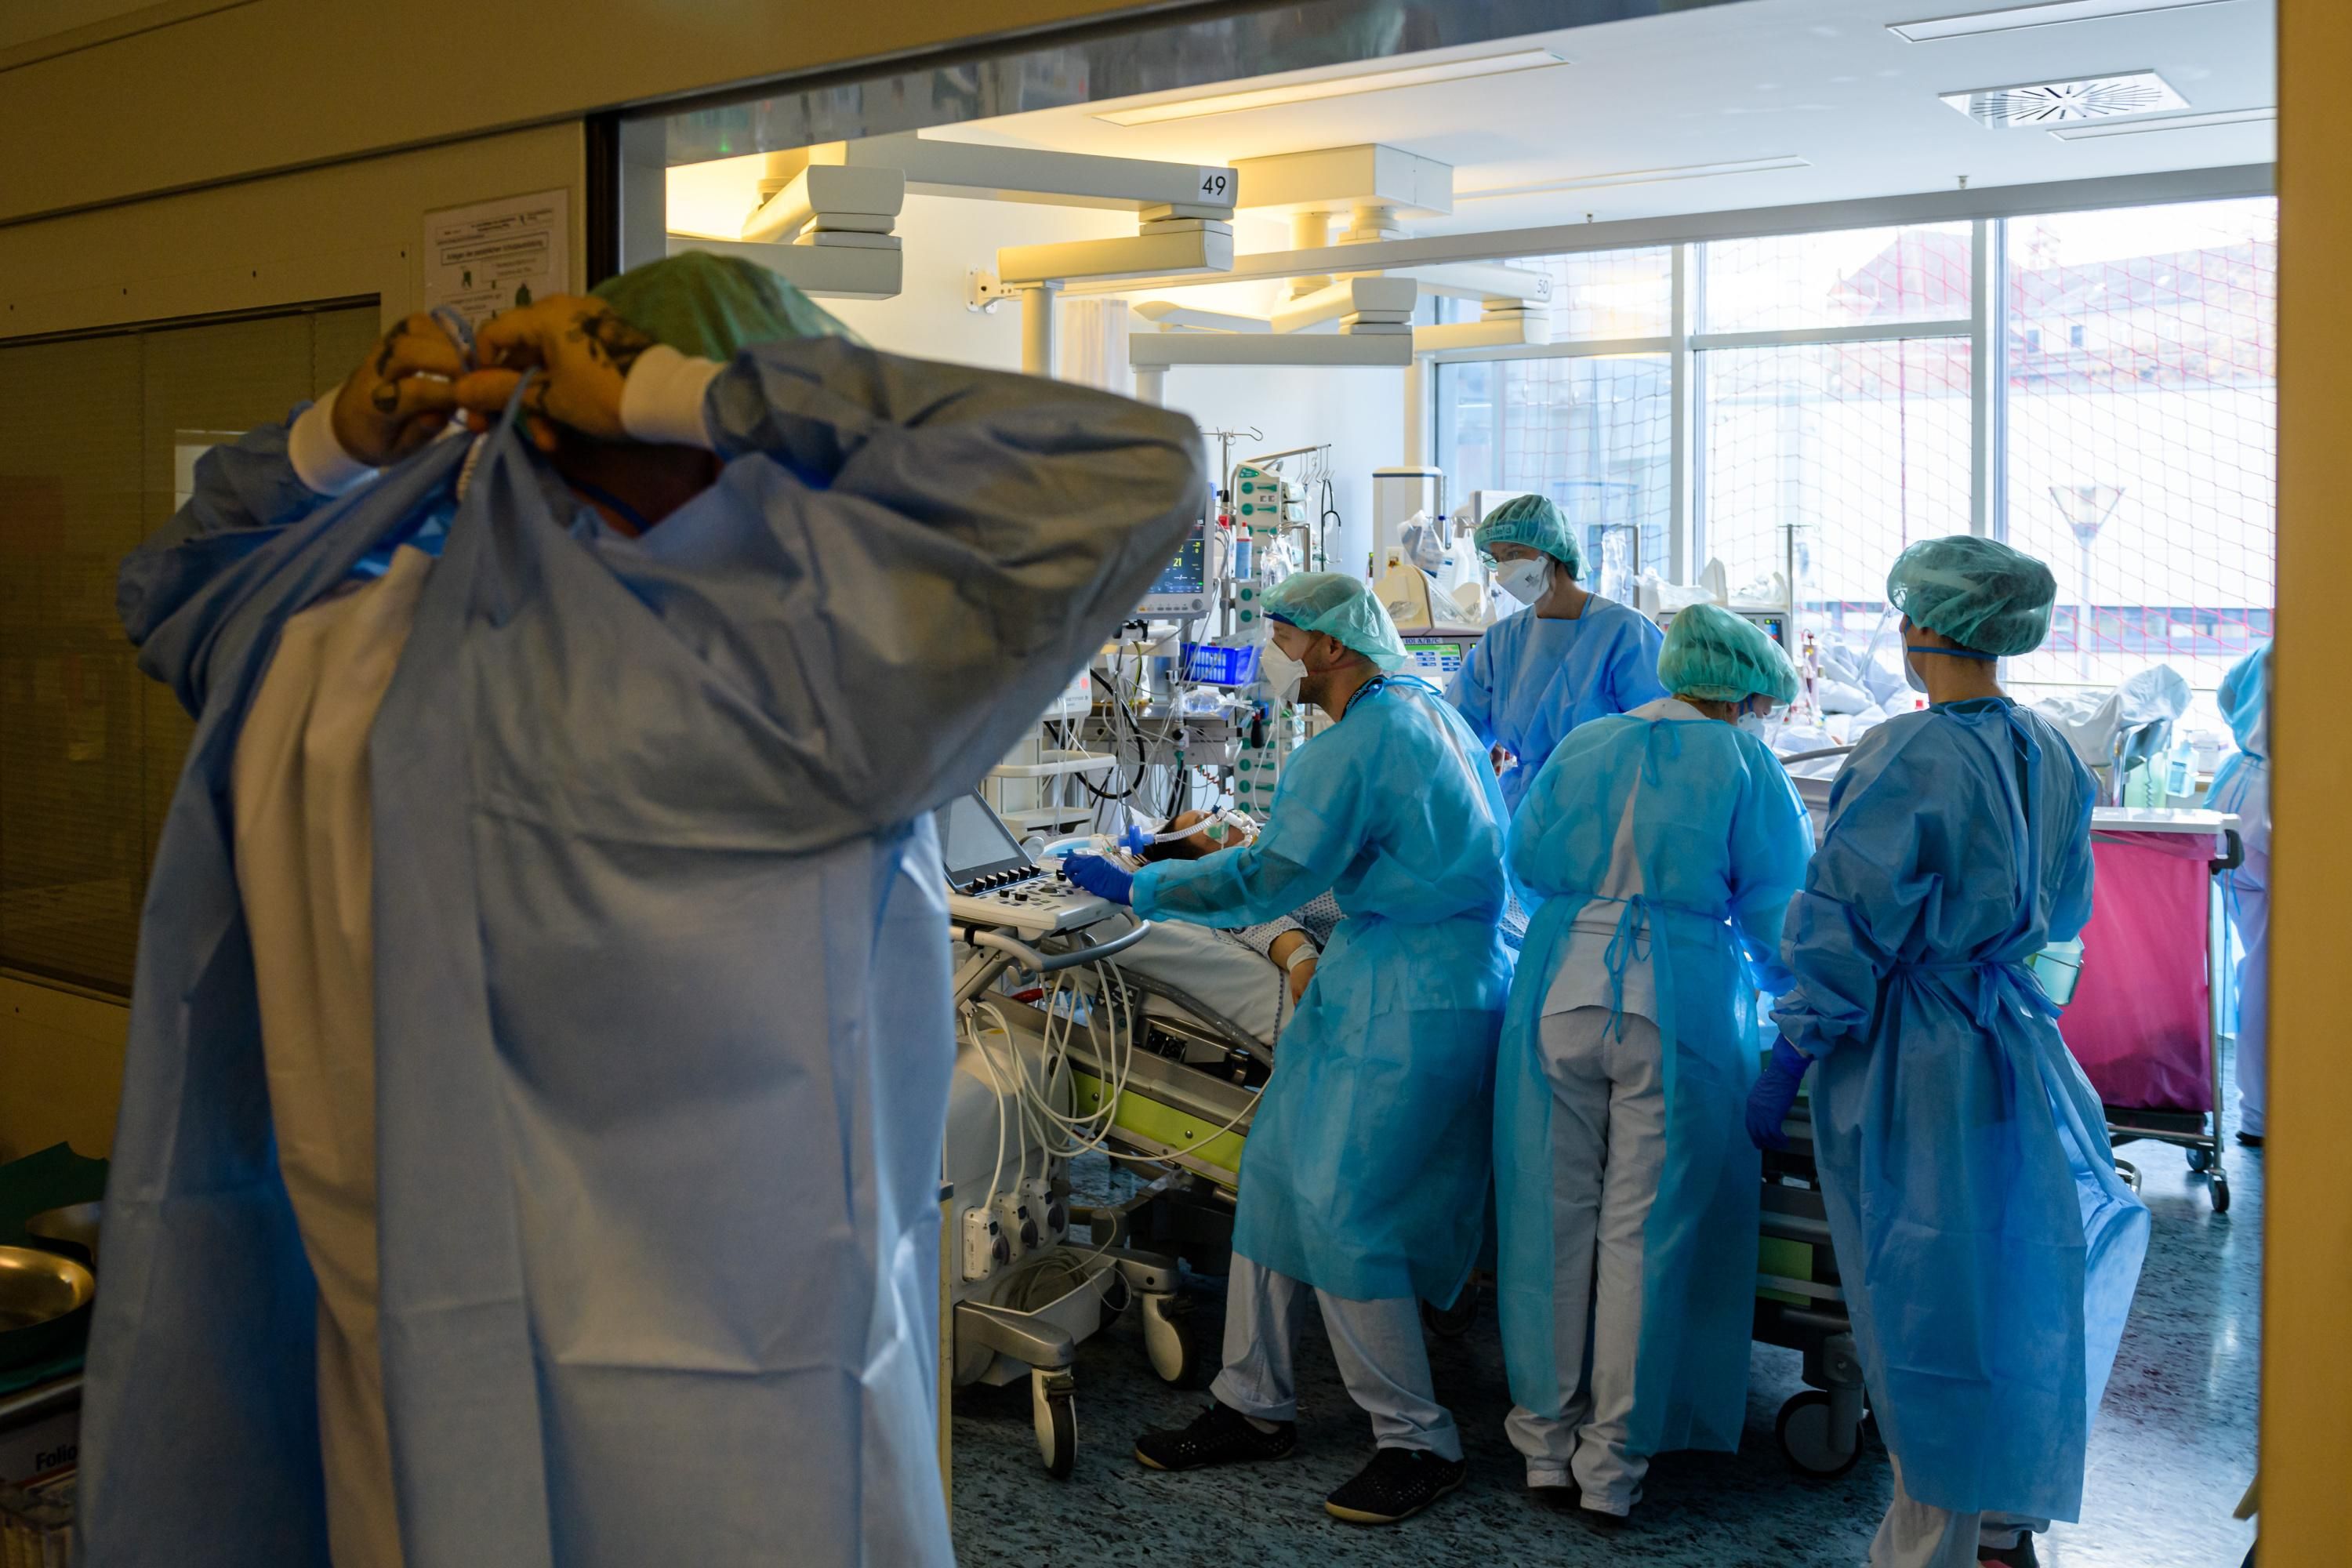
(1987, 1249)
(541, 1037)
(1569, 657)
(2243, 785)
(1365, 1175)
(1665, 844)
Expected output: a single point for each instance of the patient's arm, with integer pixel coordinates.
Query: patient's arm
(1300, 967)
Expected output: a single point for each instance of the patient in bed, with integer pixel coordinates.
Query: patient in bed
(1243, 981)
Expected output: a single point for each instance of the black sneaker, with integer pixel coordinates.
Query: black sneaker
(1397, 1484)
(1218, 1436)
(2021, 1555)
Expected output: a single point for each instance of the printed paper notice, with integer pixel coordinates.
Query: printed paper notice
(494, 256)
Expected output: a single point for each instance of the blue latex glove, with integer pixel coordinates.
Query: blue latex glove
(1775, 1092)
(1101, 878)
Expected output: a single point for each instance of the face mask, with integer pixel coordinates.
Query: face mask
(1280, 673)
(1524, 580)
(1911, 674)
(1750, 724)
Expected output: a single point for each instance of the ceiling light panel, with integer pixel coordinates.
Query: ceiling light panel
(1332, 87)
(2175, 122)
(2046, 103)
(2049, 13)
(1637, 177)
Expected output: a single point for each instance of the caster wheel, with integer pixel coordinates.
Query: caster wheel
(2200, 1160)
(1452, 1323)
(1168, 1340)
(2220, 1195)
(1805, 1437)
(1053, 1409)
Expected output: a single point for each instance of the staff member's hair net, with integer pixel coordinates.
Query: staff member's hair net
(1978, 592)
(1536, 522)
(1338, 605)
(1717, 657)
(710, 306)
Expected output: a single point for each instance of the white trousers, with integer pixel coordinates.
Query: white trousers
(1378, 1345)
(2246, 894)
(1609, 1146)
(1916, 1535)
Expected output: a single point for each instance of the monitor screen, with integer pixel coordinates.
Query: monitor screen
(1188, 574)
(973, 841)
(1435, 659)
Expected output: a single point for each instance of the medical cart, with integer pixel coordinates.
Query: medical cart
(2116, 831)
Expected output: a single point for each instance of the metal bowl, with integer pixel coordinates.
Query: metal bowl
(45, 1300)
(76, 1225)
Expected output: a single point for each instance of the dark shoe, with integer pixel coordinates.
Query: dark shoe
(2021, 1555)
(2251, 1139)
(1218, 1436)
(1397, 1484)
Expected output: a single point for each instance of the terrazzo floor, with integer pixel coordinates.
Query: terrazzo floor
(2171, 1455)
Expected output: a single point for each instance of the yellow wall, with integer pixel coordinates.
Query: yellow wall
(61, 1068)
(324, 234)
(275, 84)
(2306, 1455)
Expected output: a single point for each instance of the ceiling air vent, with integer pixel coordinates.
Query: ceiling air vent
(2060, 102)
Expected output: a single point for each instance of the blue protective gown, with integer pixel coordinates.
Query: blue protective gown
(1987, 1248)
(1530, 681)
(2241, 786)
(1719, 841)
(662, 1024)
(1368, 1159)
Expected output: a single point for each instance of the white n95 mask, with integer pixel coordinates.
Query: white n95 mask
(1280, 673)
(1524, 580)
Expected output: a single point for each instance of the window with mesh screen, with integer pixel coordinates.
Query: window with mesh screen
(2141, 371)
(1856, 277)
(98, 439)
(1828, 458)
(1594, 434)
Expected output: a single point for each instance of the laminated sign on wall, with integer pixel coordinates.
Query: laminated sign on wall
(493, 255)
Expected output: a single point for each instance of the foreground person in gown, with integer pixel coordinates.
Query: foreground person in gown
(1989, 1249)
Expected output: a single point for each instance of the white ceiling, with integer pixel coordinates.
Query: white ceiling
(1820, 79)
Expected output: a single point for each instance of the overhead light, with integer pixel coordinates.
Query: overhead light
(2176, 123)
(1332, 87)
(2049, 14)
(2054, 102)
(1638, 177)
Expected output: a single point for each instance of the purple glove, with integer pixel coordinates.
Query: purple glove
(1775, 1093)
(1101, 878)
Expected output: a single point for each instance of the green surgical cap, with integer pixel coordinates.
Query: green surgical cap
(1536, 522)
(1712, 653)
(1336, 603)
(710, 306)
(1978, 592)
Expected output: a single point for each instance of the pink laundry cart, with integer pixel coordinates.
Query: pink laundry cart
(2145, 1018)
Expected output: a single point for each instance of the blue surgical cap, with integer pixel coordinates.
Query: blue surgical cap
(1536, 522)
(1978, 592)
(1336, 603)
(1718, 657)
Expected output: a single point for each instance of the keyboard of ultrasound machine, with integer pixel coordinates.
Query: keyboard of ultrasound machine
(1029, 899)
